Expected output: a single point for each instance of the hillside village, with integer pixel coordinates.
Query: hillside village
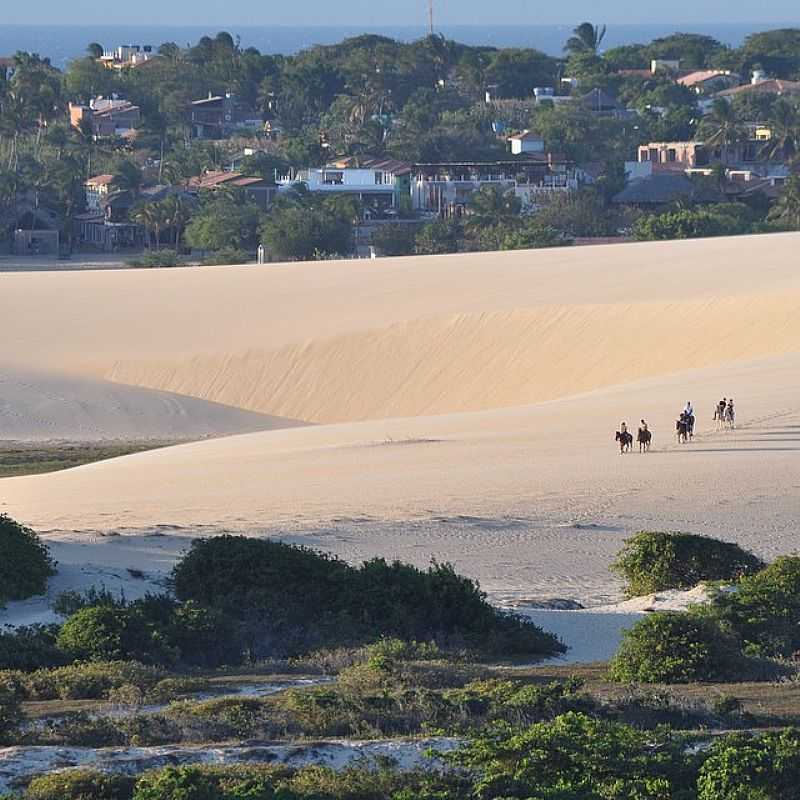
(374, 147)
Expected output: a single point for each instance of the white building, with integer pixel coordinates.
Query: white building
(526, 142)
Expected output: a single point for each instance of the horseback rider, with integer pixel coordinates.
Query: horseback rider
(689, 413)
(623, 427)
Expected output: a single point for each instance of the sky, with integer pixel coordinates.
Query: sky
(395, 12)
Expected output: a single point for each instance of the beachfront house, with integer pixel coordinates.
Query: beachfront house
(761, 86)
(106, 117)
(127, 56)
(257, 189)
(710, 81)
(219, 116)
(526, 142)
(445, 188)
(378, 183)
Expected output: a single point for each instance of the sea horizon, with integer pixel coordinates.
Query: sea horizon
(61, 43)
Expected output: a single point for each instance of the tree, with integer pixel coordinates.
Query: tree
(177, 214)
(152, 217)
(224, 220)
(95, 50)
(492, 205)
(784, 143)
(303, 233)
(586, 39)
(438, 238)
(26, 564)
(722, 127)
(787, 209)
(395, 239)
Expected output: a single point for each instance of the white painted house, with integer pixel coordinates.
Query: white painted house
(526, 142)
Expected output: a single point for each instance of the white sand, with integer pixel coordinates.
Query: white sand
(545, 352)
(38, 406)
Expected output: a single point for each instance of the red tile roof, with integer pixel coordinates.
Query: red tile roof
(772, 86)
(101, 180)
(702, 75)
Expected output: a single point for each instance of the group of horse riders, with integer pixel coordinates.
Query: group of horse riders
(724, 414)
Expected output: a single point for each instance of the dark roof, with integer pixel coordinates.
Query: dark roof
(771, 86)
(602, 100)
(658, 189)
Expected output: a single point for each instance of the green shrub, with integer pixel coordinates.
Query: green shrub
(395, 239)
(156, 258)
(10, 712)
(764, 610)
(226, 256)
(80, 784)
(671, 647)
(91, 681)
(291, 600)
(653, 562)
(25, 564)
(29, 648)
(747, 767)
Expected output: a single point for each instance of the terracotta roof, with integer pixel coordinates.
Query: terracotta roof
(213, 179)
(693, 78)
(101, 180)
(371, 162)
(525, 135)
(771, 86)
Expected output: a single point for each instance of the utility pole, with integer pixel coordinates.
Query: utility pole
(430, 17)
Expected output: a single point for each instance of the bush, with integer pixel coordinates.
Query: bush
(227, 256)
(743, 766)
(395, 239)
(652, 562)
(156, 258)
(671, 647)
(764, 610)
(10, 712)
(291, 600)
(80, 784)
(25, 565)
(29, 648)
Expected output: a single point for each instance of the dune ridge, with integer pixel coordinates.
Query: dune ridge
(472, 362)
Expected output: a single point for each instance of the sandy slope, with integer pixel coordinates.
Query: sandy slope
(475, 399)
(348, 341)
(38, 406)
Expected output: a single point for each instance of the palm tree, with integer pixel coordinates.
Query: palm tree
(177, 214)
(784, 143)
(491, 206)
(787, 209)
(721, 128)
(153, 218)
(586, 39)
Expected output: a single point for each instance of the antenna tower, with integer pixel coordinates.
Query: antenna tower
(430, 17)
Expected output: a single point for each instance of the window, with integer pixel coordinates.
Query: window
(672, 154)
(378, 178)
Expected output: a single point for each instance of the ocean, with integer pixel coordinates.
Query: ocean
(62, 43)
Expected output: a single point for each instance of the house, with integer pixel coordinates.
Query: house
(257, 189)
(710, 81)
(107, 117)
(379, 183)
(600, 102)
(657, 190)
(217, 117)
(97, 190)
(773, 86)
(445, 188)
(127, 56)
(526, 142)
(677, 156)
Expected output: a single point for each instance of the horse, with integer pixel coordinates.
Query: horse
(625, 441)
(682, 428)
(730, 417)
(644, 438)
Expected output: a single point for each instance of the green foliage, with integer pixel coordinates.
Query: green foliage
(673, 647)
(228, 255)
(10, 711)
(764, 609)
(298, 599)
(438, 238)
(748, 767)
(304, 231)
(691, 224)
(577, 757)
(80, 784)
(395, 239)
(25, 565)
(156, 258)
(652, 562)
(30, 647)
(224, 220)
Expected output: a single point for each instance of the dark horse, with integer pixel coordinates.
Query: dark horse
(625, 441)
(682, 428)
(644, 438)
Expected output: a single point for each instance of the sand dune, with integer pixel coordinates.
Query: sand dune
(348, 341)
(36, 406)
(471, 403)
